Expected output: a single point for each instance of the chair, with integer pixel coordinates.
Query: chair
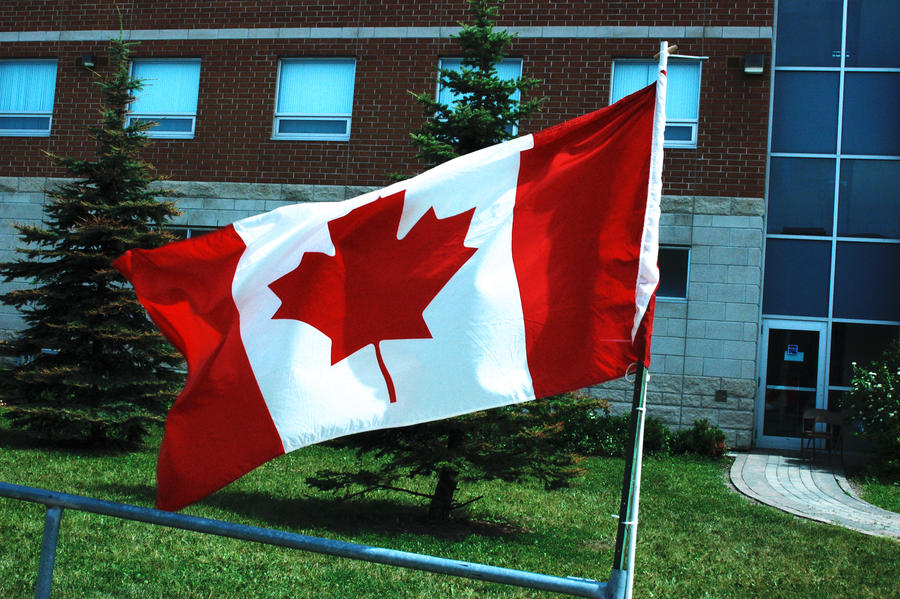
(831, 432)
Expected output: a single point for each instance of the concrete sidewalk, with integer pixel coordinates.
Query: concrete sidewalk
(813, 490)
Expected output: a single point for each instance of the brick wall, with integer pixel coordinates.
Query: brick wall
(163, 14)
(237, 95)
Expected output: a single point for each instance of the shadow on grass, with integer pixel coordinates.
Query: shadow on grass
(18, 439)
(303, 514)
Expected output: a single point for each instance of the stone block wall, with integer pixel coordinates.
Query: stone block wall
(704, 348)
(203, 204)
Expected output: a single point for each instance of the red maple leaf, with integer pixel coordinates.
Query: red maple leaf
(376, 286)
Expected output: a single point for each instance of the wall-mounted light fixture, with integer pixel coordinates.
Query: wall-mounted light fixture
(753, 64)
(88, 61)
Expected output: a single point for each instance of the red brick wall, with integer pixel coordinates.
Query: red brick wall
(42, 15)
(238, 80)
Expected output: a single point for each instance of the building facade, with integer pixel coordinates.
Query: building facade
(261, 104)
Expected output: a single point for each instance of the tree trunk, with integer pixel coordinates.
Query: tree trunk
(442, 499)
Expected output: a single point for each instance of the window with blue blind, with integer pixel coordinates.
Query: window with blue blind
(169, 96)
(27, 88)
(682, 94)
(314, 99)
(674, 272)
(508, 69)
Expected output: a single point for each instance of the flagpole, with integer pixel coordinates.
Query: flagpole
(641, 378)
(621, 580)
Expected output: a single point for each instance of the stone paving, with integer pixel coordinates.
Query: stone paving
(809, 489)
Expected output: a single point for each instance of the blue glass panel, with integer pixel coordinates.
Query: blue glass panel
(797, 277)
(860, 343)
(173, 125)
(872, 39)
(869, 204)
(673, 272)
(330, 127)
(871, 114)
(804, 113)
(801, 192)
(675, 132)
(37, 124)
(167, 124)
(809, 33)
(867, 281)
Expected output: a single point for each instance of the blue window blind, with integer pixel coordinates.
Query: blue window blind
(27, 89)
(315, 98)
(169, 95)
(508, 69)
(682, 95)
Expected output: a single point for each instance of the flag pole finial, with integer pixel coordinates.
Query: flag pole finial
(669, 50)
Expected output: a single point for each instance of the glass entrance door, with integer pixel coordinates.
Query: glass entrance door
(793, 380)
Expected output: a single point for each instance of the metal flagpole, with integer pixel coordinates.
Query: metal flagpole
(640, 383)
(621, 580)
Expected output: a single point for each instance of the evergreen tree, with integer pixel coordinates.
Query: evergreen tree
(91, 368)
(484, 111)
(512, 443)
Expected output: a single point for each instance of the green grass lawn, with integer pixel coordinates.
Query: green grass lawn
(883, 494)
(697, 538)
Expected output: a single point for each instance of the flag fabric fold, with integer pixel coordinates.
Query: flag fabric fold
(516, 272)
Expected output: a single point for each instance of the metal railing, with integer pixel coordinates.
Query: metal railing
(56, 502)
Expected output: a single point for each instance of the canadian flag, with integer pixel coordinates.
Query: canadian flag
(519, 271)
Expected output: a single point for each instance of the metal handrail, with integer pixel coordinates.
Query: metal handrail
(56, 502)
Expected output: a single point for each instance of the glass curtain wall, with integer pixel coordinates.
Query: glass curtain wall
(833, 219)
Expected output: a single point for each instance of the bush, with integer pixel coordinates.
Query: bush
(874, 404)
(702, 439)
(596, 432)
(657, 437)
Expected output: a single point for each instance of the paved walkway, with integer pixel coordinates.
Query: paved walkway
(810, 490)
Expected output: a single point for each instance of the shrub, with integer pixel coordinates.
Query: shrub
(874, 404)
(596, 432)
(657, 437)
(702, 439)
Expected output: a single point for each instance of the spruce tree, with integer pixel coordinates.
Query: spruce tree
(89, 367)
(484, 111)
(512, 443)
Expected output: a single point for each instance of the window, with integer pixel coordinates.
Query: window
(27, 88)
(189, 232)
(674, 266)
(314, 98)
(682, 95)
(508, 69)
(169, 96)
